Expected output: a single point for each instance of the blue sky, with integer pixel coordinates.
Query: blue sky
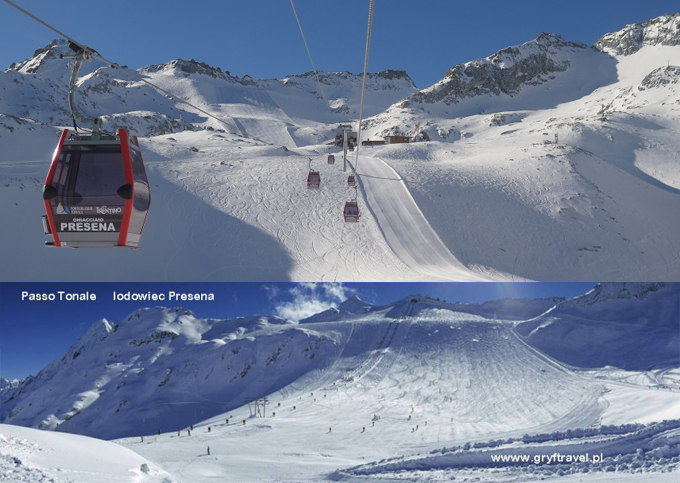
(32, 334)
(261, 38)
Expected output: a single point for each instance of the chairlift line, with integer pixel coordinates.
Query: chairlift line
(351, 209)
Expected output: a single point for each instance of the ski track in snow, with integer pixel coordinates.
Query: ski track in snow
(405, 228)
(380, 370)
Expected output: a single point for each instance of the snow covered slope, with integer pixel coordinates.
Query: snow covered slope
(162, 369)
(630, 326)
(29, 455)
(633, 452)
(551, 160)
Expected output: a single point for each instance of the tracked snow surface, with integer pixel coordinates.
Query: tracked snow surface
(549, 160)
(418, 390)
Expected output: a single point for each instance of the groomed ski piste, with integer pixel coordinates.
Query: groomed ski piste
(563, 172)
(415, 391)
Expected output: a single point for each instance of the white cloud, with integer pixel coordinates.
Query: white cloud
(272, 291)
(312, 298)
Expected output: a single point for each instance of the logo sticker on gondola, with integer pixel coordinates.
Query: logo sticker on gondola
(79, 210)
(109, 210)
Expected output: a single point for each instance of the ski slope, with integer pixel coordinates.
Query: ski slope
(409, 384)
(235, 210)
(405, 228)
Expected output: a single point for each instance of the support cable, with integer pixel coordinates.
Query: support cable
(316, 73)
(363, 83)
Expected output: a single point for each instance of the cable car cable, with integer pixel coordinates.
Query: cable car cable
(310, 57)
(117, 66)
(363, 83)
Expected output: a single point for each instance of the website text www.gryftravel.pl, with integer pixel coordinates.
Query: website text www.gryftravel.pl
(555, 458)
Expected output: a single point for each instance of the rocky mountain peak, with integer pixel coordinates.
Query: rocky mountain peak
(505, 72)
(188, 67)
(664, 30)
(374, 80)
(661, 76)
(43, 57)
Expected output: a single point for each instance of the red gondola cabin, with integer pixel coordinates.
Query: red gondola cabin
(331, 159)
(96, 192)
(351, 212)
(313, 179)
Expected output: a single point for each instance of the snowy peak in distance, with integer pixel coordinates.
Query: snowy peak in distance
(385, 80)
(152, 356)
(190, 67)
(234, 328)
(43, 58)
(501, 309)
(505, 72)
(352, 306)
(273, 111)
(639, 304)
(663, 30)
(6, 385)
(626, 290)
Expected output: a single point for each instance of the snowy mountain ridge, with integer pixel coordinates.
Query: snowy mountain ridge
(150, 357)
(107, 93)
(626, 290)
(504, 72)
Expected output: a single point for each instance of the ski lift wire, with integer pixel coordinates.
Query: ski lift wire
(316, 73)
(115, 65)
(363, 83)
